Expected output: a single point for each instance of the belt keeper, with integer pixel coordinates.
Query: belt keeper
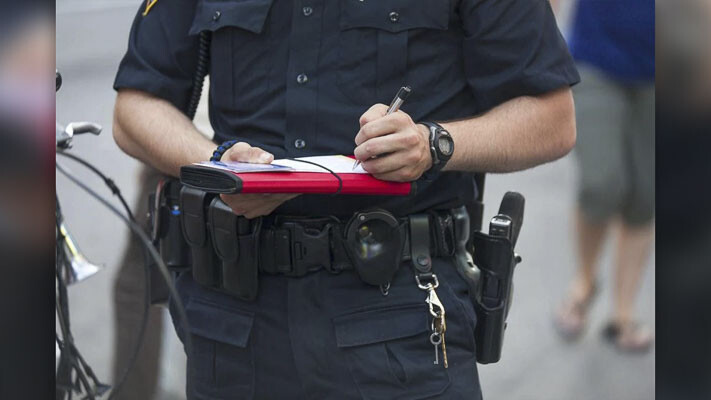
(419, 226)
(282, 251)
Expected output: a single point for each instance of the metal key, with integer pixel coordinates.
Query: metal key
(436, 340)
(439, 325)
(444, 353)
(442, 329)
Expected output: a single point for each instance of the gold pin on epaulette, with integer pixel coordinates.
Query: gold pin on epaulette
(149, 5)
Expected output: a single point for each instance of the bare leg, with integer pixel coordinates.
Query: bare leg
(591, 236)
(570, 318)
(633, 250)
(634, 245)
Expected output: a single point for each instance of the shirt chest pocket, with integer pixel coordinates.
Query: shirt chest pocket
(240, 57)
(375, 46)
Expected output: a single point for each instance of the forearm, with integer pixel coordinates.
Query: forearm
(154, 131)
(518, 134)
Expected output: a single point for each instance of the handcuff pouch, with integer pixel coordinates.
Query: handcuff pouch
(374, 242)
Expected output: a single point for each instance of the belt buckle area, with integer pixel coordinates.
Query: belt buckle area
(309, 252)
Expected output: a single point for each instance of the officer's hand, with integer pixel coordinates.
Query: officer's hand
(401, 146)
(257, 204)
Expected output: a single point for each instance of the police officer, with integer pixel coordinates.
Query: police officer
(292, 78)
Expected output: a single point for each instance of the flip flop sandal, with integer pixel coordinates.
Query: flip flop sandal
(571, 318)
(631, 338)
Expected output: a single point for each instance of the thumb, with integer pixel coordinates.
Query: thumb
(245, 153)
(260, 156)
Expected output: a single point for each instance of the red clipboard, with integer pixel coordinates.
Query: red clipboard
(215, 180)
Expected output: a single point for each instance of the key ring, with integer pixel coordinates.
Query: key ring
(436, 314)
(434, 301)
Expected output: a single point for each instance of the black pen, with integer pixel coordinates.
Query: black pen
(395, 105)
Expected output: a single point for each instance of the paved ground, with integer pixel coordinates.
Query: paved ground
(91, 38)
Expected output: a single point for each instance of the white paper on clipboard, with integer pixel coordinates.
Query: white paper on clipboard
(337, 163)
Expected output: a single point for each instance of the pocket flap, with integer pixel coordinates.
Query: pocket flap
(219, 323)
(373, 326)
(192, 217)
(212, 15)
(394, 15)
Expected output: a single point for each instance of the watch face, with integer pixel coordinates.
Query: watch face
(445, 145)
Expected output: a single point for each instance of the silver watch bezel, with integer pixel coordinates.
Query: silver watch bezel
(444, 132)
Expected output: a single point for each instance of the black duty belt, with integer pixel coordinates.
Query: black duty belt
(296, 246)
(228, 251)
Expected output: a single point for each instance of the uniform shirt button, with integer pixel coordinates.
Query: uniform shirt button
(216, 16)
(307, 11)
(299, 143)
(394, 17)
(302, 78)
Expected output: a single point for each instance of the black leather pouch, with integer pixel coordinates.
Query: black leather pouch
(206, 267)
(235, 241)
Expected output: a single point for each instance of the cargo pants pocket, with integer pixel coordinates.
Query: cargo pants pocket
(221, 365)
(389, 353)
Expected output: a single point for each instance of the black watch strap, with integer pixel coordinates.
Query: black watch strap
(438, 159)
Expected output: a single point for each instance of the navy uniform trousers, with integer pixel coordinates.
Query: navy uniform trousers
(325, 336)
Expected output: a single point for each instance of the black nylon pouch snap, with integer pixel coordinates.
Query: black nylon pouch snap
(236, 245)
(205, 268)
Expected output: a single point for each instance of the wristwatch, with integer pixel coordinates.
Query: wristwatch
(441, 145)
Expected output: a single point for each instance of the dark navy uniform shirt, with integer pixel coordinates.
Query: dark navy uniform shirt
(294, 76)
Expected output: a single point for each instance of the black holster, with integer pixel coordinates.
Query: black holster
(496, 259)
(489, 272)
